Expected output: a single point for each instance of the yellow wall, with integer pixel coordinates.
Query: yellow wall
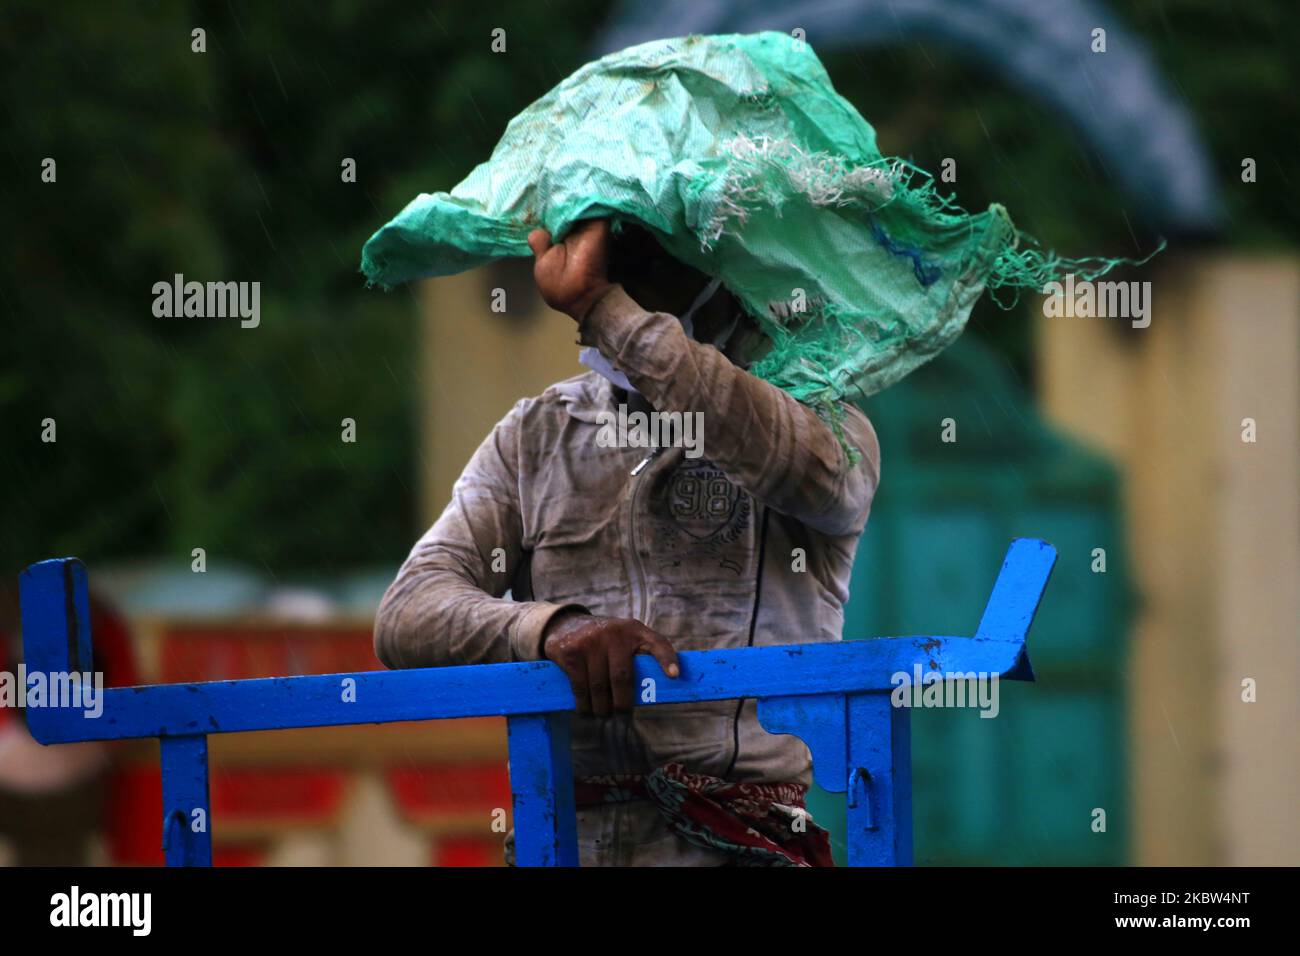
(477, 363)
(1214, 533)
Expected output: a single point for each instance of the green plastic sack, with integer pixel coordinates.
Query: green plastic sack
(737, 153)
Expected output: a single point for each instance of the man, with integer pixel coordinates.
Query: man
(612, 552)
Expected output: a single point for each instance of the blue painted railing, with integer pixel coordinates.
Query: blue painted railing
(835, 697)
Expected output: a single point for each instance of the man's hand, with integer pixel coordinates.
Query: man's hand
(571, 275)
(597, 652)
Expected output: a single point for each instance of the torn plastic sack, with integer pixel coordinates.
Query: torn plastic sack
(739, 156)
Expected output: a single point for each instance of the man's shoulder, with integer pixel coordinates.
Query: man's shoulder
(538, 428)
(579, 397)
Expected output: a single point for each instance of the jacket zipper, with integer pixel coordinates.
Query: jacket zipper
(641, 465)
(753, 625)
(640, 599)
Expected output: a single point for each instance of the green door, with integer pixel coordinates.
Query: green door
(1029, 785)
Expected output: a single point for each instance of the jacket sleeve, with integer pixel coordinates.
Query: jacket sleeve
(775, 447)
(446, 605)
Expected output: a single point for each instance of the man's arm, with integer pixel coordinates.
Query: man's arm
(775, 447)
(445, 607)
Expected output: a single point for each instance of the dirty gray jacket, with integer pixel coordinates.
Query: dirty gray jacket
(750, 544)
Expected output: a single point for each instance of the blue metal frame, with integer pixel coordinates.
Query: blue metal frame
(835, 697)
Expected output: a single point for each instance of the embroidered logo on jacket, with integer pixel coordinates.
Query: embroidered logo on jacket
(698, 511)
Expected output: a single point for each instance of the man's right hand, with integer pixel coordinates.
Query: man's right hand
(571, 274)
(597, 652)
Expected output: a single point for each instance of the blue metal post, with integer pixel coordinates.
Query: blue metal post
(833, 696)
(541, 782)
(187, 814)
(56, 606)
(880, 782)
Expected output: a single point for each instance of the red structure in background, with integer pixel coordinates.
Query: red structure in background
(452, 803)
(242, 799)
(237, 651)
(446, 781)
(114, 654)
(41, 787)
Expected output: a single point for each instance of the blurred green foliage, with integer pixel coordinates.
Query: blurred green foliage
(182, 433)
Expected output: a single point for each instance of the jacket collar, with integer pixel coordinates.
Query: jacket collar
(585, 396)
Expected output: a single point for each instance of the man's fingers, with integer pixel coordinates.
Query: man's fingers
(599, 659)
(663, 651)
(594, 231)
(576, 668)
(598, 681)
(590, 243)
(539, 240)
(622, 679)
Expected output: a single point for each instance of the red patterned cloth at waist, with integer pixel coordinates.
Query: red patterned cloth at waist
(760, 824)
